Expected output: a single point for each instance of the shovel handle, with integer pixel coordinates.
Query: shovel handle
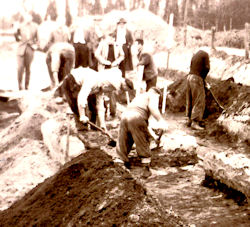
(216, 100)
(100, 129)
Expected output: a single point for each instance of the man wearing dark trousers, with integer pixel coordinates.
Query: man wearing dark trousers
(84, 90)
(195, 96)
(109, 56)
(146, 60)
(26, 34)
(134, 128)
(124, 38)
(60, 60)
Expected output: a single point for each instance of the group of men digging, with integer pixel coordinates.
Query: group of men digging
(85, 87)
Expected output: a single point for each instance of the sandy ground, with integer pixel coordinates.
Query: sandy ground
(176, 181)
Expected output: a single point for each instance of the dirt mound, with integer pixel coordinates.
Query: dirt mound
(35, 108)
(142, 23)
(229, 123)
(89, 190)
(176, 99)
(22, 167)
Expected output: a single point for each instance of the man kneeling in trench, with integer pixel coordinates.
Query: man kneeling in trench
(134, 128)
(85, 87)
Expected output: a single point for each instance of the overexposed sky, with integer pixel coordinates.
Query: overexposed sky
(10, 7)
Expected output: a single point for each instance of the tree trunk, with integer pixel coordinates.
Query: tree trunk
(185, 22)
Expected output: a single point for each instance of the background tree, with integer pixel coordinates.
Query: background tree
(51, 11)
(67, 14)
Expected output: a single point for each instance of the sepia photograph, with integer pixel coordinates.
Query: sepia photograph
(125, 113)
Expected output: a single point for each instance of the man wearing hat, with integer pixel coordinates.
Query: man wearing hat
(146, 60)
(134, 128)
(124, 37)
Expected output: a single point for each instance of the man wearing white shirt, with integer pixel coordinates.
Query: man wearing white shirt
(85, 87)
(109, 55)
(125, 39)
(81, 48)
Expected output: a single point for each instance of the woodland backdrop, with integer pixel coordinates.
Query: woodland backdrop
(202, 14)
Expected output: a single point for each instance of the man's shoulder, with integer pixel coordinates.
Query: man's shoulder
(146, 54)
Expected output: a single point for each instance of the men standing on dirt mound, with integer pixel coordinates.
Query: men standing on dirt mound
(84, 88)
(26, 34)
(134, 128)
(195, 96)
(146, 60)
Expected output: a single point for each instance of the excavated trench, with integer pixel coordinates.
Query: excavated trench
(178, 182)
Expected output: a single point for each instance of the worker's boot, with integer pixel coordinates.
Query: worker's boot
(188, 122)
(123, 163)
(145, 167)
(197, 125)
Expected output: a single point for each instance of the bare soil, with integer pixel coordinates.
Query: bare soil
(91, 189)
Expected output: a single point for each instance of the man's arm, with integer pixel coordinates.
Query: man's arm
(17, 35)
(120, 58)
(145, 59)
(82, 100)
(154, 110)
(153, 106)
(206, 65)
(98, 55)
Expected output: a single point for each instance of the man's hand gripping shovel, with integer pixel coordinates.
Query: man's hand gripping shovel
(158, 141)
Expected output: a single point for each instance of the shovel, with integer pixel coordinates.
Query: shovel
(112, 141)
(216, 100)
(158, 141)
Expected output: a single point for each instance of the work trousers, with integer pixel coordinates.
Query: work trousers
(126, 64)
(133, 129)
(151, 83)
(82, 55)
(23, 65)
(195, 98)
(63, 65)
